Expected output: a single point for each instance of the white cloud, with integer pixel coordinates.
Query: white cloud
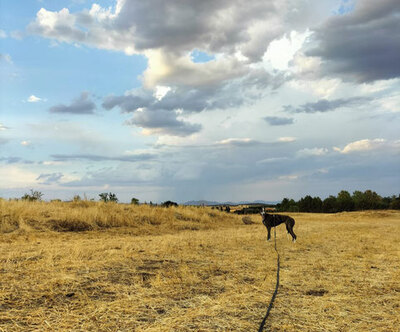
(3, 34)
(287, 139)
(160, 91)
(312, 152)
(281, 51)
(3, 127)
(368, 145)
(34, 99)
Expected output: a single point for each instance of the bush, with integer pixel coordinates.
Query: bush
(169, 203)
(33, 196)
(108, 197)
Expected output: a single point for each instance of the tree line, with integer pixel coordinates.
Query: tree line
(344, 201)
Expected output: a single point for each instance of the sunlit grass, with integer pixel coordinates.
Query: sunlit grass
(193, 269)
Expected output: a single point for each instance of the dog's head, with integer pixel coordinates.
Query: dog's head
(263, 213)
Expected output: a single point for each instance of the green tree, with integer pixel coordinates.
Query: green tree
(134, 201)
(316, 204)
(112, 198)
(305, 204)
(367, 200)
(104, 197)
(345, 201)
(329, 205)
(287, 205)
(372, 200)
(395, 203)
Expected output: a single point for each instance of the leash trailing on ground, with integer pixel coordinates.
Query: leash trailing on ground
(261, 328)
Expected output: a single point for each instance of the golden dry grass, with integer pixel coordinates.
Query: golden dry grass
(195, 269)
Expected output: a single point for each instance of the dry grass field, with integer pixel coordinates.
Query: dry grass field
(88, 266)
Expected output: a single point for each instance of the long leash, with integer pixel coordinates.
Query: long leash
(261, 328)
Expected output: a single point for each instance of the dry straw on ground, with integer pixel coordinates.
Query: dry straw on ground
(110, 267)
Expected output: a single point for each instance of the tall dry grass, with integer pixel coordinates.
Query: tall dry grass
(342, 275)
(84, 215)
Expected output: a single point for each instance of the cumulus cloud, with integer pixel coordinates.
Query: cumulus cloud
(3, 34)
(236, 35)
(324, 105)
(211, 25)
(362, 45)
(278, 121)
(80, 105)
(368, 145)
(33, 99)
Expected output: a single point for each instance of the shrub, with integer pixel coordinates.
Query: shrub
(108, 197)
(33, 196)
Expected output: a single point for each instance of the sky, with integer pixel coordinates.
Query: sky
(188, 100)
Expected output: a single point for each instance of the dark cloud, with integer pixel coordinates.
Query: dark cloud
(129, 103)
(223, 95)
(278, 121)
(160, 116)
(363, 45)
(81, 105)
(223, 26)
(215, 25)
(324, 105)
(49, 178)
(94, 157)
(163, 122)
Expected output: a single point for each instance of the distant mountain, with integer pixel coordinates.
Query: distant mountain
(204, 202)
(201, 202)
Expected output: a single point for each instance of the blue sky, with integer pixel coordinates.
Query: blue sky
(207, 100)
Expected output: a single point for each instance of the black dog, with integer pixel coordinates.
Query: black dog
(273, 220)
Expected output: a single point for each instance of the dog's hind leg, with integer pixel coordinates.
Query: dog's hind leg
(294, 237)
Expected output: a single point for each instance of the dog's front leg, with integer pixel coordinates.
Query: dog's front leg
(269, 234)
